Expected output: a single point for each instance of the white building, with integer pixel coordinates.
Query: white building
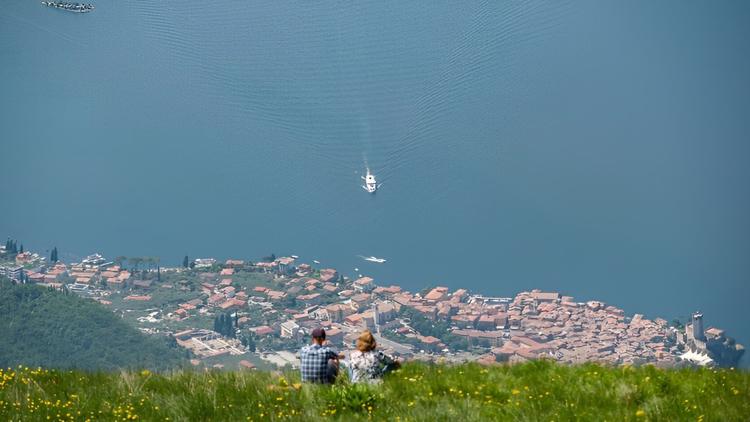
(289, 329)
(204, 262)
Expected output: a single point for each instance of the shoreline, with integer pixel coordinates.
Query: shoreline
(283, 298)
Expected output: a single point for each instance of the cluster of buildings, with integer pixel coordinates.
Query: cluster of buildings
(531, 325)
(707, 347)
(14, 270)
(206, 343)
(91, 271)
(546, 324)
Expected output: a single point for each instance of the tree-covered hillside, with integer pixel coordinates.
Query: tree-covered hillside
(43, 327)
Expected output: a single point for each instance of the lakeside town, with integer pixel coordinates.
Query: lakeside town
(240, 314)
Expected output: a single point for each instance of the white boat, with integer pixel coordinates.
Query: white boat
(315, 261)
(371, 185)
(374, 259)
(70, 7)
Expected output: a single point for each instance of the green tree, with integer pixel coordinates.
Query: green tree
(228, 326)
(185, 262)
(152, 261)
(248, 340)
(269, 258)
(20, 250)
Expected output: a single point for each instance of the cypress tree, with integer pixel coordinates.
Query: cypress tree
(21, 249)
(230, 326)
(185, 262)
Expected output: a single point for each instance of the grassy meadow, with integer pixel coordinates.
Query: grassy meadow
(418, 392)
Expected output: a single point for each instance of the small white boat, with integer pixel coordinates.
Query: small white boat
(315, 261)
(70, 7)
(374, 259)
(371, 185)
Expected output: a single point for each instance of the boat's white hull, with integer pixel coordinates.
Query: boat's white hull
(371, 185)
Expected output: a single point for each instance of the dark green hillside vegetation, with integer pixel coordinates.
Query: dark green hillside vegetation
(43, 327)
(529, 392)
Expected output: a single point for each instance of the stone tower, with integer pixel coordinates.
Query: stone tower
(697, 326)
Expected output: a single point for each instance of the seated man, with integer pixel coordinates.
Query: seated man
(318, 362)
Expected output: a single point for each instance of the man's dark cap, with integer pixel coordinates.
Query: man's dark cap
(319, 333)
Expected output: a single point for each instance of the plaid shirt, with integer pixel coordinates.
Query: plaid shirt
(314, 362)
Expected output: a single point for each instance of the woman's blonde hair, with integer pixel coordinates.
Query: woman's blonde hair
(366, 341)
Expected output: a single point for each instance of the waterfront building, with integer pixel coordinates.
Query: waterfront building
(204, 262)
(364, 284)
(697, 326)
(437, 294)
(328, 275)
(94, 260)
(285, 264)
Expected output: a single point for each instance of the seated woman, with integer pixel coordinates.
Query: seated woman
(367, 365)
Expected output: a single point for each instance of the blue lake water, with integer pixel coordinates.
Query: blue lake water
(596, 148)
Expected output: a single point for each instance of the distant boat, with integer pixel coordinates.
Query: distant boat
(371, 185)
(315, 261)
(374, 259)
(70, 7)
(295, 257)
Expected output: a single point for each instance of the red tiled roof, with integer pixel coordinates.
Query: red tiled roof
(138, 298)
